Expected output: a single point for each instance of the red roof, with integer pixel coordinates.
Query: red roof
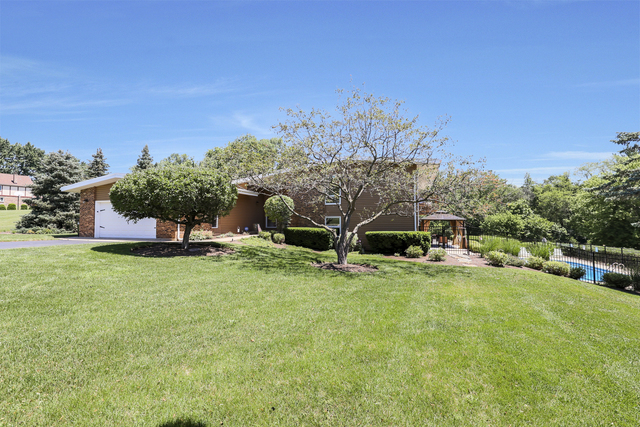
(17, 180)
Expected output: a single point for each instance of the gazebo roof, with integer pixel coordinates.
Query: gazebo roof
(442, 216)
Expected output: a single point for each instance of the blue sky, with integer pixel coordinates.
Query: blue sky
(537, 86)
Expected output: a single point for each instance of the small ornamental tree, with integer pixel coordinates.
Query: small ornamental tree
(98, 166)
(180, 194)
(51, 208)
(276, 209)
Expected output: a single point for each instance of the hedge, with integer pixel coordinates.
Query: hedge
(396, 242)
(11, 207)
(318, 239)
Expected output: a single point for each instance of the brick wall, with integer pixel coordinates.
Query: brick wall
(87, 212)
(166, 230)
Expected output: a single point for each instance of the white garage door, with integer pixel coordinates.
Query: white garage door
(110, 224)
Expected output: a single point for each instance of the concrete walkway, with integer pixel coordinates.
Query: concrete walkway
(83, 241)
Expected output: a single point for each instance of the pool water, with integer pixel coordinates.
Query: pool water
(589, 269)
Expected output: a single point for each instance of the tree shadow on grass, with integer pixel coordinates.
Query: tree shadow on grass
(183, 423)
(129, 248)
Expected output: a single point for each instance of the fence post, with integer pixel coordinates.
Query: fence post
(593, 259)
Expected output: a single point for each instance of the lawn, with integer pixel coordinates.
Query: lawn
(8, 219)
(93, 335)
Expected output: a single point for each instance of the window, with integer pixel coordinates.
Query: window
(215, 224)
(333, 222)
(271, 223)
(1, 199)
(334, 198)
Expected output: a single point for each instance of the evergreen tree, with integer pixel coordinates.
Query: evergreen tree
(20, 159)
(145, 161)
(98, 166)
(52, 208)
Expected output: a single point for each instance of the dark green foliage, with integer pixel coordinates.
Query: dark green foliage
(98, 166)
(52, 208)
(264, 235)
(624, 182)
(179, 194)
(535, 262)
(176, 159)
(414, 252)
(12, 207)
(556, 268)
(317, 239)
(145, 161)
(3, 207)
(497, 259)
(389, 242)
(278, 238)
(275, 207)
(577, 273)
(20, 159)
(616, 280)
(24, 207)
(437, 255)
(514, 261)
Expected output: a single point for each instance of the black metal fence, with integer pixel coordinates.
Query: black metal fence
(595, 260)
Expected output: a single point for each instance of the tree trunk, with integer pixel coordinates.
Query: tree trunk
(342, 250)
(185, 236)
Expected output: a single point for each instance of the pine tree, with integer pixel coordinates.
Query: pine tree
(98, 166)
(52, 208)
(145, 161)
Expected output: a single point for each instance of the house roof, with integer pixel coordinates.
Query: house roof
(114, 177)
(442, 216)
(94, 182)
(17, 180)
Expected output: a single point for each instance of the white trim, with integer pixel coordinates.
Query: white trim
(333, 226)
(217, 222)
(248, 192)
(95, 182)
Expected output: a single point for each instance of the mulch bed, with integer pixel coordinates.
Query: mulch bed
(173, 250)
(349, 268)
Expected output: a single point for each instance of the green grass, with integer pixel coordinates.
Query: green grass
(8, 219)
(29, 237)
(91, 335)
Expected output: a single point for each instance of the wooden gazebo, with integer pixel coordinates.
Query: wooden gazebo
(457, 227)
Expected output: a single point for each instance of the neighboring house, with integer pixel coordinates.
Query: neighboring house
(15, 189)
(97, 218)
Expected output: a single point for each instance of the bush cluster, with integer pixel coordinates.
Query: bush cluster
(40, 230)
(264, 235)
(389, 242)
(437, 255)
(308, 237)
(11, 207)
(514, 261)
(616, 280)
(200, 235)
(278, 238)
(511, 247)
(556, 267)
(535, 262)
(497, 259)
(577, 273)
(24, 207)
(414, 251)
(3, 207)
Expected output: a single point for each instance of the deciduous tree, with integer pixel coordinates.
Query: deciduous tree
(180, 194)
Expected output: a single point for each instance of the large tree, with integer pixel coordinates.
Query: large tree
(244, 155)
(624, 181)
(369, 149)
(180, 194)
(145, 161)
(98, 166)
(52, 208)
(176, 159)
(20, 159)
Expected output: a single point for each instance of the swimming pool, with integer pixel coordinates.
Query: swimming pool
(589, 269)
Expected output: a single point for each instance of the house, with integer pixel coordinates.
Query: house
(99, 220)
(15, 189)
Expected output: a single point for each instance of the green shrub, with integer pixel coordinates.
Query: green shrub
(634, 274)
(24, 207)
(577, 273)
(414, 252)
(278, 238)
(540, 250)
(437, 255)
(200, 235)
(514, 261)
(511, 247)
(534, 262)
(229, 234)
(616, 280)
(475, 246)
(264, 235)
(497, 259)
(356, 244)
(388, 242)
(308, 237)
(11, 207)
(556, 267)
(489, 244)
(3, 207)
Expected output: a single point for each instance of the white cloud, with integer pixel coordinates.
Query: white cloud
(578, 155)
(611, 83)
